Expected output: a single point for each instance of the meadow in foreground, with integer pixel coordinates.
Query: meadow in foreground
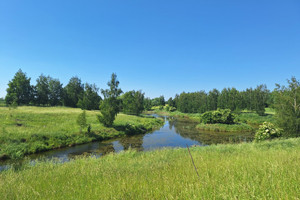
(267, 170)
(28, 129)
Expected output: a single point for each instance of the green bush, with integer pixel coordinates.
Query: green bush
(267, 131)
(220, 116)
(81, 121)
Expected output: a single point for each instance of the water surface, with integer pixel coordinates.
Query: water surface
(174, 133)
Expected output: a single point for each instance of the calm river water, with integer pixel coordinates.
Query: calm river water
(174, 133)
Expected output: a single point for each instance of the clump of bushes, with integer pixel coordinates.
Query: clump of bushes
(170, 108)
(267, 131)
(219, 116)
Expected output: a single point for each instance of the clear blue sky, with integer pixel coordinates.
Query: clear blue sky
(162, 47)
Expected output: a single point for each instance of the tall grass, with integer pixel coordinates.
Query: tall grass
(268, 170)
(255, 119)
(2, 103)
(225, 127)
(27, 130)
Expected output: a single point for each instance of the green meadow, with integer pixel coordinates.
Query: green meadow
(246, 121)
(267, 170)
(28, 129)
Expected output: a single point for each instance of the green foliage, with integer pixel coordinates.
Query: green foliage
(254, 118)
(159, 101)
(212, 99)
(108, 113)
(194, 102)
(91, 99)
(260, 99)
(133, 102)
(267, 131)
(230, 98)
(19, 89)
(73, 92)
(171, 102)
(220, 116)
(147, 104)
(28, 129)
(55, 92)
(287, 107)
(110, 106)
(2, 102)
(241, 127)
(265, 170)
(42, 90)
(81, 120)
(170, 108)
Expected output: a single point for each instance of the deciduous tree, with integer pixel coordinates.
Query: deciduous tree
(19, 89)
(287, 106)
(110, 106)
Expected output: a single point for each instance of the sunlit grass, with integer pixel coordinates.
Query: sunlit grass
(268, 170)
(30, 129)
(225, 127)
(255, 119)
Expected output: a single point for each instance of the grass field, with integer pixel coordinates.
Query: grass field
(268, 170)
(2, 103)
(242, 127)
(27, 130)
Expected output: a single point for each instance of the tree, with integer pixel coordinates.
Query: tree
(158, 101)
(81, 121)
(133, 102)
(171, 102)
(194, 102)
(212, 99)
(55, 92)
(91, 99)
(110, 106)
(229, 98)
(19, 89)
(42, 90)
(73, 92)
(147, 104)
(287, 107)
(260, 96)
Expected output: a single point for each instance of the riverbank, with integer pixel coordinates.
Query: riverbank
(28, 130)
(267, 170)
(241, 127)
(245, 121)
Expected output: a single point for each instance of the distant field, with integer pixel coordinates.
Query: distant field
(28, 129)
(2, 103)
(268, 170)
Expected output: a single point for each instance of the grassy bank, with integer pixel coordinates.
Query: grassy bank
(225, 127)
(28, 130)
(247, 121)
(194, 117)
(268, 170)
(254, 119)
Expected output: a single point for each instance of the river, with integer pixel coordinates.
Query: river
(174, 133)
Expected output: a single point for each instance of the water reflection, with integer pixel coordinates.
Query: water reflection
(174, 133)
(188, 130)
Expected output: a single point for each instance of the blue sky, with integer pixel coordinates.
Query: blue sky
(162, 47)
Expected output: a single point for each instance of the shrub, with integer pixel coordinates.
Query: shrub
(81, 121)
(267, 131)
(221, 116)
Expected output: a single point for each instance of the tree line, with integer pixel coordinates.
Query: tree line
(256, 99)
(49, 91)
